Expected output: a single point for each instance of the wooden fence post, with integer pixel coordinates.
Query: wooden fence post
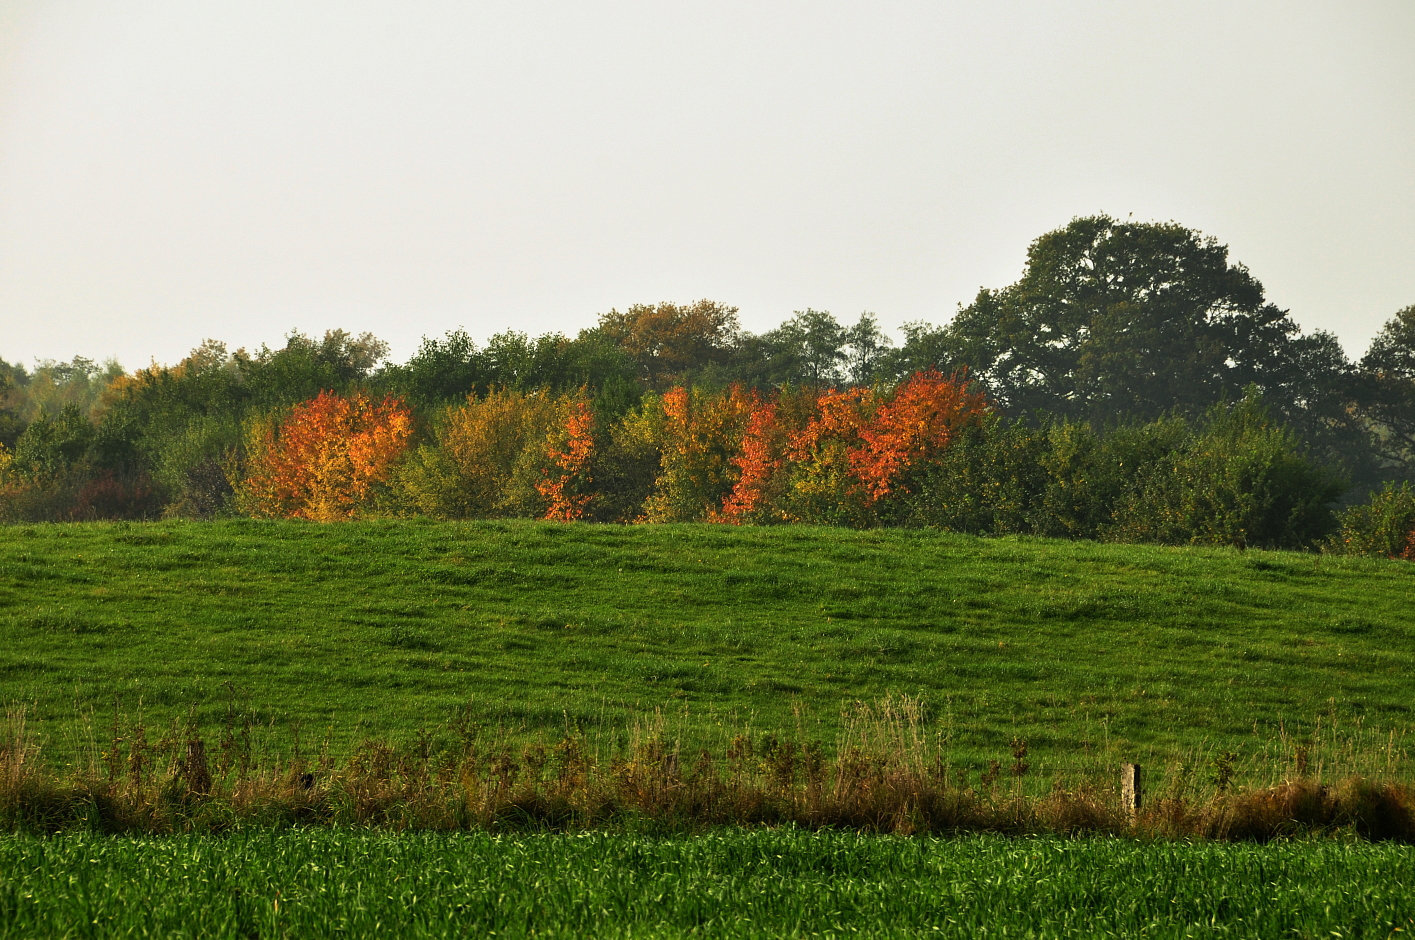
(1130, 790)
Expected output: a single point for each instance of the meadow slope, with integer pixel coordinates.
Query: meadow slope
(1088, 652)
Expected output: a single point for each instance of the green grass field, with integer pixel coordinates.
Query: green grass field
(730, 884)
(1088, 652)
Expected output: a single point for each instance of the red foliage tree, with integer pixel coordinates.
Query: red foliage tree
(858, 448)
(838, 417)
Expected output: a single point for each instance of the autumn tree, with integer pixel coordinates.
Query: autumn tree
(857, 450)
(486, 459)
(325, 457)
(924, 415)
(667, 341)
(696, 431)
(566, 478)
(820, 484)
(757, 464)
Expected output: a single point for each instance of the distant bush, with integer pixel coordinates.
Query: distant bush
(195, 464)
(1383, 526)
(1239, 480)
(1234, 478)
(107, 495)
(26, 498)
(990, 482)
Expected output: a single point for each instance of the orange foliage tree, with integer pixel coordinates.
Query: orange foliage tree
(758, 463)
(565, 481)
(820, 484)
(325, 458)
(849, 453)
(925, 414)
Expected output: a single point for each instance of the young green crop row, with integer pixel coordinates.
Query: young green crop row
(729, 883)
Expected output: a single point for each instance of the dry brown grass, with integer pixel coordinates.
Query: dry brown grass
(884, 776)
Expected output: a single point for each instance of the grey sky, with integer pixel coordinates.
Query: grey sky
(171, 171)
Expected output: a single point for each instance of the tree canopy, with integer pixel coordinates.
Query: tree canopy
(1115, 319)
(1099, 396)
(1388, 391)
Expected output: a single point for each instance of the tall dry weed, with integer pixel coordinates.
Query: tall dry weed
(889, 772)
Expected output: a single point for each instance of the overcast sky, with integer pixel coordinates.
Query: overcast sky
(172, 171)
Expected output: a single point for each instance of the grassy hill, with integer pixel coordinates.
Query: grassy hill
(1087, 652)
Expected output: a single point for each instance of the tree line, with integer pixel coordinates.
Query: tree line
(1133, 384)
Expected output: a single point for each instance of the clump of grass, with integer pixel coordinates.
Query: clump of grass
(887, 773)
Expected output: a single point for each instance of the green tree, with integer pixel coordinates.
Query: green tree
(51, 446)
(440, 372)
(54, 386)
(1387, 392)
(516, 360)
(926, 347)
(11, 424)
(867, 352)
(180, 425)
(594, 362)
(990, 482)
(304, 367)
(1127, 320)
(1240, 479)
(817, 341)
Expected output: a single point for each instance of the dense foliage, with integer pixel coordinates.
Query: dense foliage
(1133, 384)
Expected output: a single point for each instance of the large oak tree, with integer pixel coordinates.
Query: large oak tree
(1125, 320)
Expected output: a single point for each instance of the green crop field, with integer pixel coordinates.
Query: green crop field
(384, 629)
(729, 883)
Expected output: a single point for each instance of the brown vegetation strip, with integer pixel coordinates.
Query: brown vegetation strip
(178, 784)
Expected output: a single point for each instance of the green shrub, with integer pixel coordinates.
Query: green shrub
(1239, 480)
(989, 482)
(1090, 474)
(1383, 526)
(194, 465)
